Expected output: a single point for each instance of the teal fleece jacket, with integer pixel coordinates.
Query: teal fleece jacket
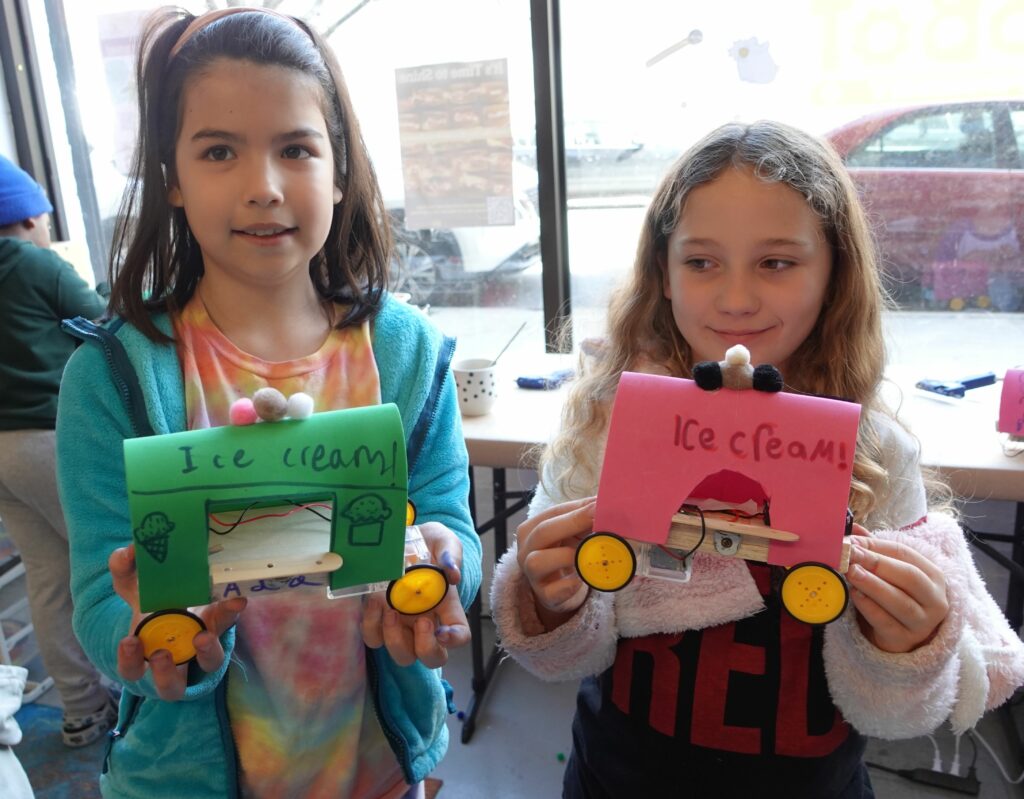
(185, 748)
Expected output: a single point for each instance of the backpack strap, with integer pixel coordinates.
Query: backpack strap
(121, 369)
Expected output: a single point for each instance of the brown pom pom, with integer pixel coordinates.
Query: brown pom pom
(270, 404)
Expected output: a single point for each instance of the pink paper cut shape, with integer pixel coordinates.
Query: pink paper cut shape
(667, 437)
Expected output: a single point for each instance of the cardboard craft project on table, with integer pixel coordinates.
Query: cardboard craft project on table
(267, 508)
(678, 454)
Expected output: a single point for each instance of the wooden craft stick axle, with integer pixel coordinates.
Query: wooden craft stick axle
(274, 568)
(684, 536)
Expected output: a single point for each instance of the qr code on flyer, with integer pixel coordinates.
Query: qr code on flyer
(500, 211)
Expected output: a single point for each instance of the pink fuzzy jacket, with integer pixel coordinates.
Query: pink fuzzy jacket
(974, 662)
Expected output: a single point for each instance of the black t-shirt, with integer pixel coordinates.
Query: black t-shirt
(742, 709)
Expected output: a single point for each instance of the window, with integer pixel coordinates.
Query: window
(923, 102)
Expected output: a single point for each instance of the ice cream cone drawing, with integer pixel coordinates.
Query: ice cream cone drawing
(153, 535)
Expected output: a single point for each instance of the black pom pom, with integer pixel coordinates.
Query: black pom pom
(708, 375)
(767, 378)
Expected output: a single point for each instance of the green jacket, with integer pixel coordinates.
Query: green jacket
(185, 749)
(37, 290)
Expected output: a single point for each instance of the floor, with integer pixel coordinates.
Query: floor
(523, 728)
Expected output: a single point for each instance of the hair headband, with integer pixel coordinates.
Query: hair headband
(203, 20)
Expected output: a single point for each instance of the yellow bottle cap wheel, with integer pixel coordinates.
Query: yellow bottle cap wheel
(172, 630)
(814, 594)
(605, 561)
(410, 514)
(420, 589)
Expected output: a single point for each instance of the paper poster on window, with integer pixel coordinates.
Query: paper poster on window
(453, 122)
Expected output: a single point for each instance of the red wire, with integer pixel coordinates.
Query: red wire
(296, 509)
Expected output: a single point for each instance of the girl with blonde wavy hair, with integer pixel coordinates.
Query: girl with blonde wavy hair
(755, 237)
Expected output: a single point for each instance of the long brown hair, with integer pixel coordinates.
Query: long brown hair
(155, 261)
(843, 356)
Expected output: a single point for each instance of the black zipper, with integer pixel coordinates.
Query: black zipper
(230, 744)
(397, 743)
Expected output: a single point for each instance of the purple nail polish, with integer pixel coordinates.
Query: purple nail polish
(448, 561)
(442, 629)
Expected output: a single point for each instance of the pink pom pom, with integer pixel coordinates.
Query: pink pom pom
(243, 412)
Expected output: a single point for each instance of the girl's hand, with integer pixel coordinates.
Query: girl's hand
(899, 594)
(547, 557)
(168, 679)
(429, 636)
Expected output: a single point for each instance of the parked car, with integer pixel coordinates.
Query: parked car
(944, 190)
(431, 261)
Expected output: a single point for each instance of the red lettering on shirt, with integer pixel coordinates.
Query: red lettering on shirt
(664, 682)
(720, 654)
(791, 734)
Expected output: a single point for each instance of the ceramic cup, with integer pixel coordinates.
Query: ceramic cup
(474, 378)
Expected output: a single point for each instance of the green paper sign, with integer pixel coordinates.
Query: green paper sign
(347, 467)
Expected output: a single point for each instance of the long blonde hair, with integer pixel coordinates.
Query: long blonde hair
(844, 355)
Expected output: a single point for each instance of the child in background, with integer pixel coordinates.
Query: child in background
(707, 688)
(37, 290)
(257, 256)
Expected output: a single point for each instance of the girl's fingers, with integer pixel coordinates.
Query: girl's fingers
(373, 619)
(122, 572)
(428, 649)
(874, 616)
(445, 549)
(573, 521)
(398, 639)
(168, 679)
(894, 557)
(903, 608)
(452, 626)
(558, 510)
(541, 565)
(131, 665)
(209, 652)
(221, 615)
(563, 595)
(906, 572)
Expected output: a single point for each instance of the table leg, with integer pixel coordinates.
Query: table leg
(479, 682)
(1013, 610)
(1015, 592)
(483, 674)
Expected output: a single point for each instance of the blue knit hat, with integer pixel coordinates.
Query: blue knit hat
(20, 196)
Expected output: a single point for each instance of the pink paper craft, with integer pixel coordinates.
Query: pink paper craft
(669, 441)
(1011, 403)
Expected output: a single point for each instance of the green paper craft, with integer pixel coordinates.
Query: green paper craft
(352, 460)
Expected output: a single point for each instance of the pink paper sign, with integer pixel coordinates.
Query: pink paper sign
(1011, 403)
(669, 441)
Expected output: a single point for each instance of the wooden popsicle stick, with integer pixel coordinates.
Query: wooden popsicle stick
(274, 568)
(684, 537)
(744, 527)
(844, 557)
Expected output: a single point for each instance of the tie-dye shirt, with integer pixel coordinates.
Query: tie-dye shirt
(301, 715)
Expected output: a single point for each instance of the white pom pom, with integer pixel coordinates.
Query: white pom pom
(300, 405)
(737, 355)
